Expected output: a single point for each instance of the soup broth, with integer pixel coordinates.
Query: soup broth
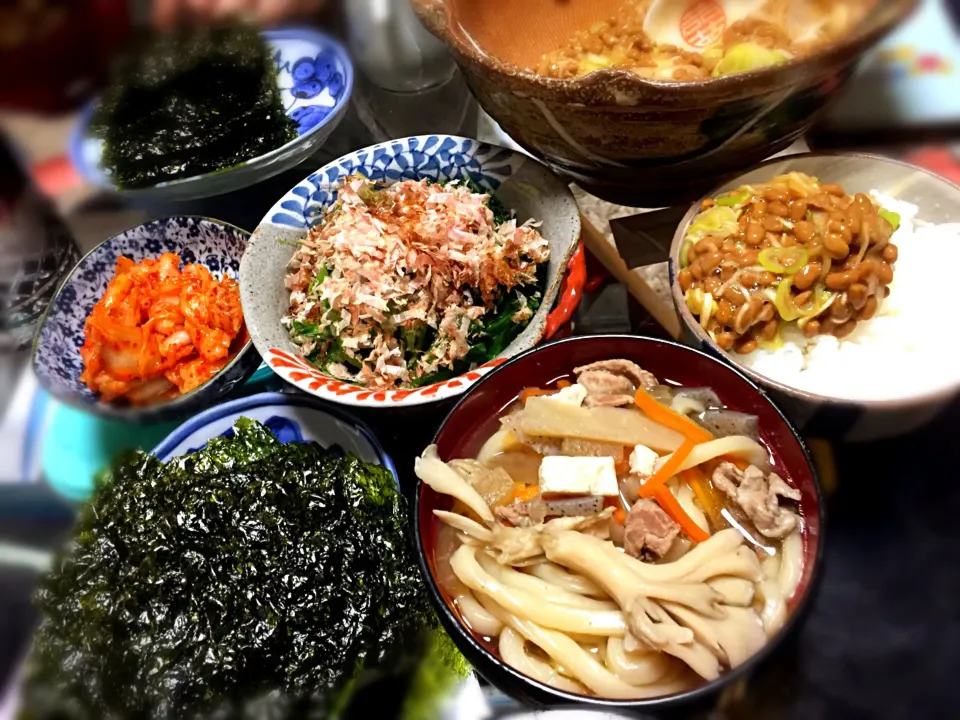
(630, 558)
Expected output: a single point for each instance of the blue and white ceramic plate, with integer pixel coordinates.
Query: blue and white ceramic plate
(291, 418)
(56, 349)
(523, 185)
(315, 77)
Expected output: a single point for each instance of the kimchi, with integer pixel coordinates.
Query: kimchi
(159, 330)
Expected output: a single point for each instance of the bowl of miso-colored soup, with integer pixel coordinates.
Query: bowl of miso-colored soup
(583, 87)
(618, 521)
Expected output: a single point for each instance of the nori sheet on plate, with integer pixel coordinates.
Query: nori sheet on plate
(188, 103)
(250, 579)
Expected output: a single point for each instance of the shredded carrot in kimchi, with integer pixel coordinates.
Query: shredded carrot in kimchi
(159, 331)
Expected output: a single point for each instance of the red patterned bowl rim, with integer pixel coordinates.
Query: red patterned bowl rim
(298, 372)
(306, 377)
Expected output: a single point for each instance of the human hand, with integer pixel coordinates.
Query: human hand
(167, 13)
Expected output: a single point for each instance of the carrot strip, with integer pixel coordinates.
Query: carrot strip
(660, 413)
(563, 384)
(672, 507)
(669, 469)
(706, 495)
(526, 493)
(534, 392)
(620, 516)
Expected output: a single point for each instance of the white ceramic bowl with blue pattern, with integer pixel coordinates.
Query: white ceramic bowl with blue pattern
(523, 185)
(291, 418)
(56, 348)
(315, 76)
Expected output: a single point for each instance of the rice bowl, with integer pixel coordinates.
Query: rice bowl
(893, 375)
(908, 337)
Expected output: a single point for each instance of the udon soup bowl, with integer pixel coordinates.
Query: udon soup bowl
(623, 138)
(826, 416)
(475, 418)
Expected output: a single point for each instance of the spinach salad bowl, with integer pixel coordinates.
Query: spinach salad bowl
(525, 188)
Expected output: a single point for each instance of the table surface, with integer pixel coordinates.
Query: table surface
(883, 637)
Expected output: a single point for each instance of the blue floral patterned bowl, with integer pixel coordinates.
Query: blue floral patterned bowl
(519, 182)
(315, 77)
(56, 348)
(291, 418)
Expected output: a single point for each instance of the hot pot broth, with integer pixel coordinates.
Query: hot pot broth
(618, 536)
(772, 32)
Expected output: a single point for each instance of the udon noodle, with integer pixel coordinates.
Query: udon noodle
(630, 558)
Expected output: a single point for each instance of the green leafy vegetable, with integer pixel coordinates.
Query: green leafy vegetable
(891, 217)
(748, 56)
(734, 199)
(322, 274)
(250, 579)
(500, 212)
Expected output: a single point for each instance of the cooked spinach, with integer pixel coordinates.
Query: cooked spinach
(189, 102)
(491, 336)
(249, 579)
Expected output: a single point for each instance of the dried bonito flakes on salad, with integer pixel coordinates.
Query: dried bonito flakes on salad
(408, 284)
(793, 250)
(159, 331)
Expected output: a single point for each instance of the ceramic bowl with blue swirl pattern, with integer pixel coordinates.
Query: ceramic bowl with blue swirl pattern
(291, 418)
(315, 77)
(56, 349)
(523, 185)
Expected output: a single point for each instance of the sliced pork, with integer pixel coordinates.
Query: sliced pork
(648, 532)
(758, 495)
(612, 383)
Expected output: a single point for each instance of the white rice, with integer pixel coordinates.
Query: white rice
(908, 349)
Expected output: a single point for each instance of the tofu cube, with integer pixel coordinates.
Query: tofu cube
(573, 395)
(561, 475)
(643, 461)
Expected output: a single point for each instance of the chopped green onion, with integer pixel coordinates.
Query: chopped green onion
(783, 260)
(891, 217)
(788, 308)
(733, 200)
(748, 56)
(718, 221)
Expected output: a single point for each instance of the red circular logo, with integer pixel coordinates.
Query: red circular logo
(702, 23)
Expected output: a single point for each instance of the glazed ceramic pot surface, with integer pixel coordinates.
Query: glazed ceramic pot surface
(625, 139)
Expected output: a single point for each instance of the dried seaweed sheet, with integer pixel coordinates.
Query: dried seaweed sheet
(250, 579)
(188, 103)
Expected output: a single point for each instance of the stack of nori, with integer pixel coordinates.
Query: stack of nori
(250, 579)
(191, 102)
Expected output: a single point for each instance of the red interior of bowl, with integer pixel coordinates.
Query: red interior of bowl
(476, 417)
